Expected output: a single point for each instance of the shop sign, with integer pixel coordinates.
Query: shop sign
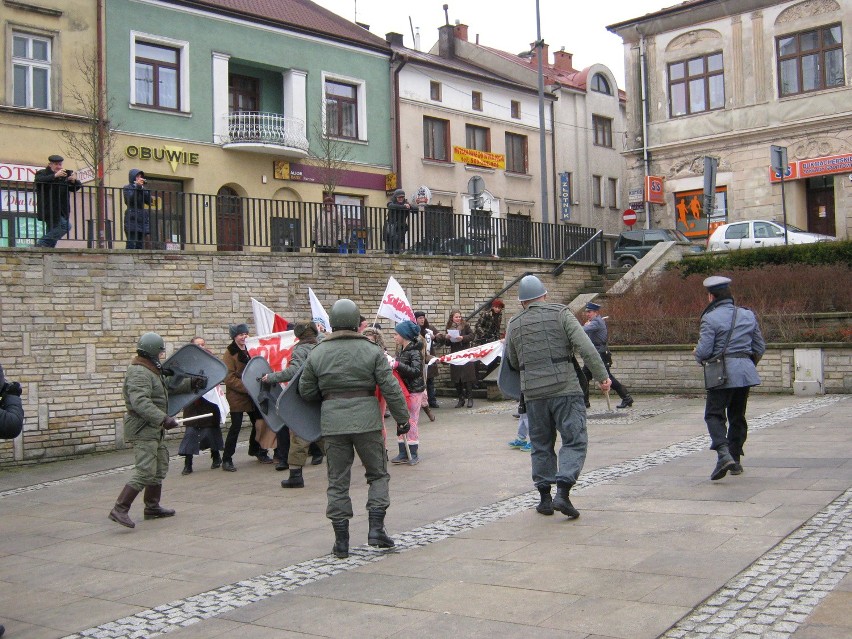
(174, 155)
(296, 172)
(565, 196)
(654, 192)
(17, 200)
(690, 217)
(828, 165)
(479, 158)
(18, 172)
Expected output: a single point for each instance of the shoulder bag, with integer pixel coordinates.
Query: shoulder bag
(715, 372)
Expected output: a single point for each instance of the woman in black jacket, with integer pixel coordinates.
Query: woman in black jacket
(409, 366)
(11, 410)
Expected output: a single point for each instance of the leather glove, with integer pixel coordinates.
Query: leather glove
(402, 429)
(198, 382)
(168, 372)
(170, 422)
(11, 388)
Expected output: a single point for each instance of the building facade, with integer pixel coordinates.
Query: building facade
(705, 81)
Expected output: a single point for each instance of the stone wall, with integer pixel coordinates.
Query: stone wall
(70, 318)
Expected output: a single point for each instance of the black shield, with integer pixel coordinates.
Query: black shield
(302, 417)
(190, 361)
(509, 380)
(264, 395)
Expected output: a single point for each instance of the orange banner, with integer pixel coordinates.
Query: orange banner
(479, 158)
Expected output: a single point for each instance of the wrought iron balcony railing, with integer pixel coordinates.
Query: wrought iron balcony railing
(252, 127)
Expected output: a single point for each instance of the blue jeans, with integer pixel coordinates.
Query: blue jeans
(566, 415)
(55, 233)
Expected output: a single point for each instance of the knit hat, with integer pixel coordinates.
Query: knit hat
(419, 314)
(305, 330)
(237, 329)
(408, 330)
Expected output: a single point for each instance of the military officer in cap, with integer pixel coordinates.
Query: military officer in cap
(146, 396)
(745, 347)
(595, 327)
(343, 371)
(541, 342)
(53, 188)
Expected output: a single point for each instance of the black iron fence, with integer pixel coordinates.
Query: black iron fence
(176, 220)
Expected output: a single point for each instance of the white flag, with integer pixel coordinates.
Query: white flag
(318, 314)
(266, 321)
(216, 396)
(486, 354)
(395, 304)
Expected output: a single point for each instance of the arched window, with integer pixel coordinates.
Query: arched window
(601, 84)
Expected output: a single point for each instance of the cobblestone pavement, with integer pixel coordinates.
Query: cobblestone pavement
(771, 598)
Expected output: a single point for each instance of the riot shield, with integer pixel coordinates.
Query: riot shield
(264, 395)
(302, 417)
(509, 380)
(192, 360)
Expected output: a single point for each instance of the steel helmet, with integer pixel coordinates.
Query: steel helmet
(530, 288)
(344, 315)
(151, 345)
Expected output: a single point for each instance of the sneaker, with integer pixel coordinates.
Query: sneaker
(526, 448)
(517, 443)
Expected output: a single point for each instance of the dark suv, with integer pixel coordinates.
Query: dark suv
(632, 246)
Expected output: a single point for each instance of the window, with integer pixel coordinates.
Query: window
(31, 57)
(435, 91)
(477, 137)
(597, 195)
(476, 100)
(341, 110)
(737, 231)
(515, 108)
(436, 139)
(157, 76)
(612, 193)
(243, 94)
(697, 85)
(810, 60)
(601, 84)
(516, 153)
(603, 131)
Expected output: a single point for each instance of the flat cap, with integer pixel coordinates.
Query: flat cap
(716, 282)
(56, 158)
(591, 306)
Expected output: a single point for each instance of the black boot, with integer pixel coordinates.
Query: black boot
(724, 464)
(282, 465)
(153, 510)
(217, 459)
(460, 403)
(469, 401)
(545, 506)
(737, 468)
(187, 465)
(562, 502)
(119, 512)
(341, 538)
(377, 535)
(295, 480)
(626, 402)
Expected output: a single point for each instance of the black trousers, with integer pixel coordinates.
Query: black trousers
(727, 403)
(234, 434)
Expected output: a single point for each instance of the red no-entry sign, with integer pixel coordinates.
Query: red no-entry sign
(629, 217)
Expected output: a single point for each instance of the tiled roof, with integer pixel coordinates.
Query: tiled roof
(300, 15)
(574, 79)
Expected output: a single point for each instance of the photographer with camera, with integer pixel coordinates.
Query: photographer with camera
(137, 218)
(53, 188)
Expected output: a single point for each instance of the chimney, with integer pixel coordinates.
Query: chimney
(545, 55)
(394, 39)
(461, 31)
(562, 60)
(446, 41)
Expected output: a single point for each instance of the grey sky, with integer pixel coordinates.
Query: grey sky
(578, 26)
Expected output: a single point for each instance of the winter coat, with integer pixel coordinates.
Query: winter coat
(238, 398)
(409, 366)
(11, 416)
(598, 332)
(146, 397)
(465, 373)
(137, 218)
(343, 371)
(746, 341)
(488, 327)
(428, 335)
(52, 195)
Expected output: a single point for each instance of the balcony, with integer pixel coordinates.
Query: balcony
(270, 133)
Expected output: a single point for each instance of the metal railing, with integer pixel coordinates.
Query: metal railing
(253, 127)
(194, 221)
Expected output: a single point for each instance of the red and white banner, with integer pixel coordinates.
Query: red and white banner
(486, 354)
(318, 314)
(395, 304)
(217, 396)
(266, 321)
(276, 348)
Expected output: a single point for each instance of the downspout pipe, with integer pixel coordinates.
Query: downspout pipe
(646, 158)
(397, 144)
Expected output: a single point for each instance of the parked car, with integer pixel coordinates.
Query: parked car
(757, 233)
(632, 246)
(451, 246)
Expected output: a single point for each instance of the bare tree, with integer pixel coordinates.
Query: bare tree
(331, 156)
(94, 144)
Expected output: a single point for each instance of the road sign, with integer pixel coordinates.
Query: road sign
(629, 217)
(778, 158)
